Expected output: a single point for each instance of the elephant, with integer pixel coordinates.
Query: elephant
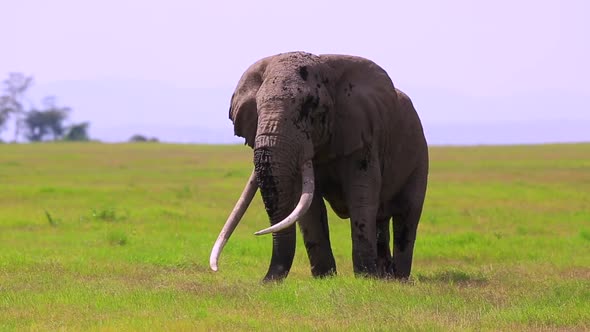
(330, 127)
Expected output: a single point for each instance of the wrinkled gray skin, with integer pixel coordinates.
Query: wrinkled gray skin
(368, 149)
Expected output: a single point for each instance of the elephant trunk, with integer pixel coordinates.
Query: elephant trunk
(278, 172)
(307, 189)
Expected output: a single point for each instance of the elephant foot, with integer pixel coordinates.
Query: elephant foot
(385, 267)
(273, 279)
(400, 273)
(366, 269)
(276, 273)
(326, 274)
(324, 270)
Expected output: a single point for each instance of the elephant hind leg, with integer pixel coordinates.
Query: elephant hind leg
(405, 223)
(384, 259)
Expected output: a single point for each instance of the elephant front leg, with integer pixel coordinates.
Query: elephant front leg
(363, 214)
(283, 251)
(364, 241)
(316, 236)
(361, 189)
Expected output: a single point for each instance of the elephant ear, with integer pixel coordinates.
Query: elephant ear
(363, 98)
(243, 109)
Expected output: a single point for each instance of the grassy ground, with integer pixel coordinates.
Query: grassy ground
(117, 237)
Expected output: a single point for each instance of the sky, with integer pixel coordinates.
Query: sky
(478, 71)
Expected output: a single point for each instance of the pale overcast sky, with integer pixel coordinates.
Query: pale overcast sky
(481, 51)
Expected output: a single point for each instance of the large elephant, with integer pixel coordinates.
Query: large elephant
(333, 127)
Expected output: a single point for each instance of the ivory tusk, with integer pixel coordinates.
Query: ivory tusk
(233, 220)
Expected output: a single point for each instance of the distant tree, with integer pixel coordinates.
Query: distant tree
(39, 124)
(138, 138)
(4, 111)
(48, 122)
(77, 132)
(13, 98)
(141, 138)
(36, 124)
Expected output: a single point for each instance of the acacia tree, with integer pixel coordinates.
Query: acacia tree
(78, 132)
(12, 102)
(4, 113)
(48, 121)
(39, 124)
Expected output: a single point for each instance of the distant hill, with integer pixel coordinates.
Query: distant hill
(118, 109)
(535, 132)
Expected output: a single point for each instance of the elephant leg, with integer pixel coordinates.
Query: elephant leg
(283, 251)
(364, 241)
(405, 223)
(384, 259)
(361, 190)
(316, 236)
(363, 216)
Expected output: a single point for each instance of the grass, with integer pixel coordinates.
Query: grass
(117, 237)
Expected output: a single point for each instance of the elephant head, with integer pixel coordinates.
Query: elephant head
(294, 110)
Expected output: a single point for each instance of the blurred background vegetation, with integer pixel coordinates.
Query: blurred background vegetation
(49, 122)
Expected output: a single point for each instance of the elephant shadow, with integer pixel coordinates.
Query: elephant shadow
(453, 277)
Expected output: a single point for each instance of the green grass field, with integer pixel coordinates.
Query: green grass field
(117, 237)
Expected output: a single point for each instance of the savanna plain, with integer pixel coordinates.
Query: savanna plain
(117, 237)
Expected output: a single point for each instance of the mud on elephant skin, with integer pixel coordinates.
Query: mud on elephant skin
(330, 127)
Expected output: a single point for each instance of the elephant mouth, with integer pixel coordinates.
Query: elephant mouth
(307, 190)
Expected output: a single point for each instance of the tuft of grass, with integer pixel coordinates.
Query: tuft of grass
(52, 221)
(117, 238)
(108, 214)
(184, 193)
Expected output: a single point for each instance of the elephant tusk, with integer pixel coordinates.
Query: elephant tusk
(304, 202)
(233, 220)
